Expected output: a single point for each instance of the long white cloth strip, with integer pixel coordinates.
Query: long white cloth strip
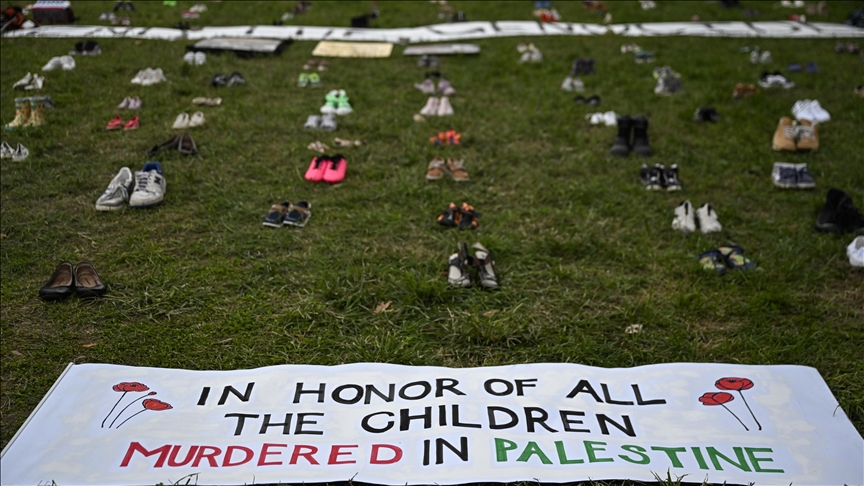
(458, 31)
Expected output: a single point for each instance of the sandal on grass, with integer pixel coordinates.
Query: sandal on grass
(485, 265)
(713, 260)
(298, 214)
(450, 217)
(457, 270)
(469, 217)
(735, 259)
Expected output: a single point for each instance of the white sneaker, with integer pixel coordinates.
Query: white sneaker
(610, 118)
(134, 103)
(20, 153)
(200, 58)
(431, 108)
(23, 82)
(567, 84)
(124, 104)
(196, 120)
(855, 251)
(444, 108)
(579, 86)
(53, 64)
(117, 193)
(150, 186)
(67, 63)
(139, 76)
(182, 121)
(36, 82)
(189, 58)
(684, 218)
(708, 219)
(6, 151)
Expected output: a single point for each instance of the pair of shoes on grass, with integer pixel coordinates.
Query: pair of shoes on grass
(200, 100)
(462, 217)
(17, 154)
(609, 118)
(775, 80)
(810, 67)
(437, 107)
(117, 123)
(316, 65)
(438, 168)
(219, 80)
(130, 103)
(327, 168)
(144, 190)
(592, 100)
(287, 214)
(571, 83)
(720, 259)
(148, 77)
(582, 66)
(839, 214)
(743, 90)
(310, 79)
(789, 176)
(685, 218)
(184, 121)
(791, 137)
(660, 177)
(318, 122)
(181, 143)
(530, 53)
(458, 274)
(66, 63)
(86, 48)
(29, 112)
(66, 280)
(450, 137)
(638, 141)
(29, 82)
(195, 58)
(336, 101)
(428, 87)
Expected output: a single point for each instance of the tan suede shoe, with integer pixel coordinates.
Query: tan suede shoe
(808, 136)
(784, 136)
(436, 169)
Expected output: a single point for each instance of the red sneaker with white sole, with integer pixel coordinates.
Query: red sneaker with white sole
(315, 172)
(116, 123)
(131, 124)
(335, 171)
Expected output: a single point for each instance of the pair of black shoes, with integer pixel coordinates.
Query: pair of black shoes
(124, 6)
(81, 279)
(839, 215)
(235, 79)
(706, 114)
(182, 143)
(592, 100)
(87, 48)
(638, 126)
(660, 177)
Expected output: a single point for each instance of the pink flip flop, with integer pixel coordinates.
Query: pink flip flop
(335, 172)
(315, 172)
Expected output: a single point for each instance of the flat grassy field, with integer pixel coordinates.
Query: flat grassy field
(582, 250)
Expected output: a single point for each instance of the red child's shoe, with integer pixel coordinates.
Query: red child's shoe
(131, 124)
(335, 171)
(116, 123)
(315, 172)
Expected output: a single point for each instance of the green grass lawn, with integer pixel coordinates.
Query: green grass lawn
(582, 250)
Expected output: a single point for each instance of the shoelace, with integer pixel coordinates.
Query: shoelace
(790, 131)
(806, 132)
(143, 180)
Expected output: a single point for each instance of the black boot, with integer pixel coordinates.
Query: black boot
(839, 215)
(621, 145)
(640, 136)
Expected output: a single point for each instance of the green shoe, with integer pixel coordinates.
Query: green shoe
(331, 102)
(303, 80)
(342, 105)
(314, 80)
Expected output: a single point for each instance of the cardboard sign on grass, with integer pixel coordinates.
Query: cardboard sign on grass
(353, 49)
(395, 425)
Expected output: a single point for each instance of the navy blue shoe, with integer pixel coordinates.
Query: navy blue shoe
(784, 175)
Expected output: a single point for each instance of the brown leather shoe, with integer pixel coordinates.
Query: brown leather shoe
(808, 136)
(87, 281)
(457, 170)
(60, 285)
(784, 136)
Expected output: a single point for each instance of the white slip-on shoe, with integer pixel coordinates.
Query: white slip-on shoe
(610, 118)
(20, 153)
(134, 103)
(53, 63)
(444, 107)
(181, 122)
(196, 120)
(67, 63)
(6, 151)
(684, 218)
(150, 186)
(189, 58)
(23, 82)
(708, 219)
(124, 104)
(117, 194)
(200, 58)
(855, 252)
(431, 108)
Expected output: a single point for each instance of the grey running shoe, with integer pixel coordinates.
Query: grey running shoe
(117, 193)
(328, 122)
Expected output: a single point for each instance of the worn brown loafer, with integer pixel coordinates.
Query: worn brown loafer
(87, 281)
(60, 285)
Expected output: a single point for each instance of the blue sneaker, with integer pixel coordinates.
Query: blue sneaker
(784, 175)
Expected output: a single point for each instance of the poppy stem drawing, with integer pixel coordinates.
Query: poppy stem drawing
(127, 406)
(733, 414)
(112, 409)
(130, 418)
(751, 411)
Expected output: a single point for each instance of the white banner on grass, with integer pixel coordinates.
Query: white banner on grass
(456, 31)
(394, 425)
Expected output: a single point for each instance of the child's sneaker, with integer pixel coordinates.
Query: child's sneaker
(342, 105)
(708, 222)
(276, 215)
(684, 218)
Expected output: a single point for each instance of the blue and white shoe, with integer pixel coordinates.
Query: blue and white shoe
(150, 186)
(784, 175)
(117, 194)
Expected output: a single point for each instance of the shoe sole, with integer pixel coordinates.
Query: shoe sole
(434, 178)
(272, 225)
(144, 206)
(785, 186)
(100, 207)
(780, 149)
(806, 186)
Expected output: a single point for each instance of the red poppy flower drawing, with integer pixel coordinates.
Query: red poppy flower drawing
(125, 387)
(739, 385)
(149, 404)
(711, 399)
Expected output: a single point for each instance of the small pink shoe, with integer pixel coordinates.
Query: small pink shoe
(335, 172)
(131, 124)
(116, 123)
(315, 172)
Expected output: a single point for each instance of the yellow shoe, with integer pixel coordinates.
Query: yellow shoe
(22, 114)
(37, 108)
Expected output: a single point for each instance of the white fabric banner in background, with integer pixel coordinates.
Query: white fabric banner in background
(394, 425)
(456, 31)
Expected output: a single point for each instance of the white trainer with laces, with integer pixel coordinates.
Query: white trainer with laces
(708, 219)
(6, 151)
(684, 218)
(431, 108)
(117, 194)
(150, 186)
